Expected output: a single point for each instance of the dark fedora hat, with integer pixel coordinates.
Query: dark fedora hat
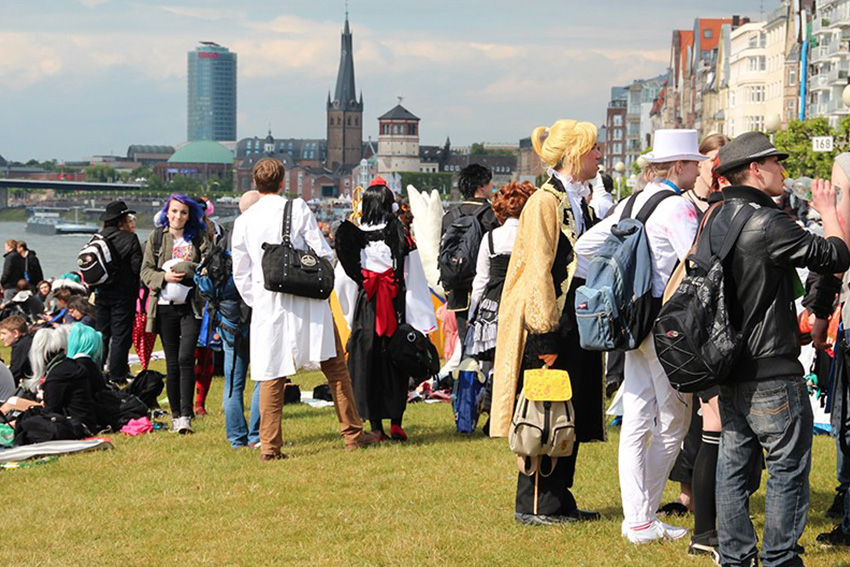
(744, 149)
(114, 210)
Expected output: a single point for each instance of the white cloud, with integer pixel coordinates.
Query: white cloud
(93, 3)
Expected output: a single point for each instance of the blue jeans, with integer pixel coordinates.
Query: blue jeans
(236, 359)
(774, 416)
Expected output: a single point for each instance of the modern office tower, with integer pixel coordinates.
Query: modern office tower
(212, 93)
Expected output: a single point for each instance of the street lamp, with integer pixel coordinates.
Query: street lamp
(620, 168)
(772, 124)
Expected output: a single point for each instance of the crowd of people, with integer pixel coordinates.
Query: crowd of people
(511, 261)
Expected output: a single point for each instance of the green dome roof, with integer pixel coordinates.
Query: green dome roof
(204, 151)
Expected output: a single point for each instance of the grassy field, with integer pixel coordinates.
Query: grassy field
(440, 499)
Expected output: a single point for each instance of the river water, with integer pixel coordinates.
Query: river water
(57, 254)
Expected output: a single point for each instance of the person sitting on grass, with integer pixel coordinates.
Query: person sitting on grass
(45, 295)
(65, 387)
(60, 315)
(81, 311)
(85, 347)
(25, 302)
(15, 333)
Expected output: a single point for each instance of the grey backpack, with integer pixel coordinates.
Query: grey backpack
(615, 308)
(542, 428)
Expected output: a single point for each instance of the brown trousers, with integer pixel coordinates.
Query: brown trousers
(271, 403)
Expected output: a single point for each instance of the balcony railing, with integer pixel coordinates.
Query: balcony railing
(820, 52)
(838, 48)
(820, 81)
(836, 106)
(841, 18)
(839, 74)
(818, 109)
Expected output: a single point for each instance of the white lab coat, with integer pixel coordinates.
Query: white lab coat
(287, 331)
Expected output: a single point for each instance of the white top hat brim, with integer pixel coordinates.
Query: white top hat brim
(652, 158)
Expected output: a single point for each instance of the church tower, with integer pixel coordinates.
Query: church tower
(345, 113)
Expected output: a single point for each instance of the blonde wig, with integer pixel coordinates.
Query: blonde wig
(563, 144)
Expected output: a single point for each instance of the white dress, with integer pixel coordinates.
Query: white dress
(287, 331)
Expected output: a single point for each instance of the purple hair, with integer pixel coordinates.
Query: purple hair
(194, 226)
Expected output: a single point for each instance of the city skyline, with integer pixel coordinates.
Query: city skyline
(93, 76)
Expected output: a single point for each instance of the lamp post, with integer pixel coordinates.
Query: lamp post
(772, 124)
(620, 168)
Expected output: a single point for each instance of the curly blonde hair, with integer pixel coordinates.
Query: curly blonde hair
(563, 144)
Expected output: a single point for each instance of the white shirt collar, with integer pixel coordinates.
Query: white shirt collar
(572, 186)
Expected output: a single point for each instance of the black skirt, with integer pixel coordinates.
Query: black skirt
(379, 390)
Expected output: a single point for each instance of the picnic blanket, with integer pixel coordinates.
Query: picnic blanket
(36, 450)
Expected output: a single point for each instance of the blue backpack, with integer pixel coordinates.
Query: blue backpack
(615, 309)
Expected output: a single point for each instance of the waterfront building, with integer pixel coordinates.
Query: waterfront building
(203, 160)
(212, 93)
(829, 60)
(149, 155)
(747, 79)
(398, 141)
(615, 121)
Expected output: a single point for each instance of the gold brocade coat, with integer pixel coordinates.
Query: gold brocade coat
(529, 302)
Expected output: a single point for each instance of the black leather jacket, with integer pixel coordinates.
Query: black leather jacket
(761, 280)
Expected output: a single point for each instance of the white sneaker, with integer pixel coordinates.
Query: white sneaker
(673, 532)
(185, 426)
(653, 531)
(175, 424)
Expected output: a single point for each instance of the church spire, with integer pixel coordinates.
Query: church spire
(345, 97)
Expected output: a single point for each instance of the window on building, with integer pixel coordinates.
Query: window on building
(707, 33)
(731, 98)
(411, 129)
(618, 120)
(792, 76)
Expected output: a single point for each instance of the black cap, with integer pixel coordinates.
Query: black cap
(744, 149)
(114, 210)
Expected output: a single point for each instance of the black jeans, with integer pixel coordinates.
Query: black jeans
(179, 330)
(115, 316)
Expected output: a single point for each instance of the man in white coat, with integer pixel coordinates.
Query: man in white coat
(287, 331)
(655, 416)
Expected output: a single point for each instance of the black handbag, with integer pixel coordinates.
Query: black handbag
(297, 272)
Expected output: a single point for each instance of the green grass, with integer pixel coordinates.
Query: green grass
(440, 499)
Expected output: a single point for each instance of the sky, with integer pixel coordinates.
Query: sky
(91, 77)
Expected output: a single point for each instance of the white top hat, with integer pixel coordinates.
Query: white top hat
(674, 145)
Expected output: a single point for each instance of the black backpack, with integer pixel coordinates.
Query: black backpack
(37, 425)
(459, 248)
(115, 408)
(97, 261)
(147, 386)
(413, 354)
(694, 337)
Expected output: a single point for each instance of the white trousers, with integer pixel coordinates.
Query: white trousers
(655, 421)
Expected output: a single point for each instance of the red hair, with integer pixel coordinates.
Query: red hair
(511, 198)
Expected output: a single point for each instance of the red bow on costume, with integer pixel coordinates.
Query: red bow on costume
(384, 288)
